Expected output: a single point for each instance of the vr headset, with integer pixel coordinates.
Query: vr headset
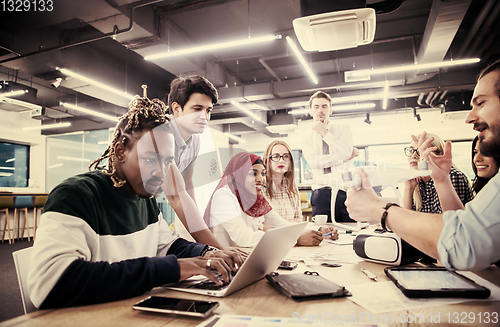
(386, 248)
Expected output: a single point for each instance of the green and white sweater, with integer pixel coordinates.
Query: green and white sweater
(98, 243)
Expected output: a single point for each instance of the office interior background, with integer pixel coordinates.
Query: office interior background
(96, 54)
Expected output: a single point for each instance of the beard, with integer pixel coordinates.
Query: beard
(491, 148)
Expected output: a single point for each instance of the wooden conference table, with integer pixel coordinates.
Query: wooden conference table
(261, 299)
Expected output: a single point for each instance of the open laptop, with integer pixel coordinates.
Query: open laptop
(264, 259)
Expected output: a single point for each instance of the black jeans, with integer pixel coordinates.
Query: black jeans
(321, 205)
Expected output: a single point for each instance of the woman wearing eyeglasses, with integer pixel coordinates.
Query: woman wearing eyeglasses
(282, 193)
(424, 198)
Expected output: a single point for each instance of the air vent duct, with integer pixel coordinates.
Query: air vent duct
(336, 30)
(282, 123)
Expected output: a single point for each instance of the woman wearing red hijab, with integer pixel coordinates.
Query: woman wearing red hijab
(238, 212)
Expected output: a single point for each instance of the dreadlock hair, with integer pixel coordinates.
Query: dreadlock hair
(144, 114)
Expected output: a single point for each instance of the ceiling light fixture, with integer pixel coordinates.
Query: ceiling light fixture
(90, 112)
(73, 159)
(367, 120)
(215, 46)
(47, 126)
(12, 93)
(386, 95)
(236, 138)
(6, 174)
(346, 107)
(301, 59)
(247, 111)
(10, 160)
(21, 103)
(95, 83)
(415, 67)
(55, 165)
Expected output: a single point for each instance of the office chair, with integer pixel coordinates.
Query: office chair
(21, 204)
(22, 261)
(6, 203)
(306, 206)
(38, 203)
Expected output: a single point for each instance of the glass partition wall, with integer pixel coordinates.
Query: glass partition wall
(71, 154)
(14, 165)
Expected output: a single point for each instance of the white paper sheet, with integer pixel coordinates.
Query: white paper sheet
(383, 297)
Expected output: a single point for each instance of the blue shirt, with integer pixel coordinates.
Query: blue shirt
(470, 239)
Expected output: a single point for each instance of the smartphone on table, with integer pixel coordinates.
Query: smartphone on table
(185, 307)
(288, 265)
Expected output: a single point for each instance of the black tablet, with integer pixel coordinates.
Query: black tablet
(419, 282)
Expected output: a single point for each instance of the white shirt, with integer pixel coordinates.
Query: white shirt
(232, 227)
(340, 143)
(185, 151)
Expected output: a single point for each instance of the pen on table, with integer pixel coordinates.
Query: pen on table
(369, 274)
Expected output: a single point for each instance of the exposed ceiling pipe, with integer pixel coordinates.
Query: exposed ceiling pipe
(115, 31)
(483, 30)
(420, 99)
(441, 98)
(434, 98)
(138, 43)
(266, 66)
(429, 98)
(475, 27)
(385, 7)
(442, 25)
(487, 44)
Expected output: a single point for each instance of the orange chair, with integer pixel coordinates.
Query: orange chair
(21, 204)
(6, 203)
(38, 203)
(306, 206)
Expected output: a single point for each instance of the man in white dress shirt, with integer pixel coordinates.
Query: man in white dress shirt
(327, 147)
(191, 101)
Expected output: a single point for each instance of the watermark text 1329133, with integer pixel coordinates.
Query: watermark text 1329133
(26, 5)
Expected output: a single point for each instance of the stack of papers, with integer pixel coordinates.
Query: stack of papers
(252, 321)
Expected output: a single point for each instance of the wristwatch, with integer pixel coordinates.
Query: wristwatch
(208, 249)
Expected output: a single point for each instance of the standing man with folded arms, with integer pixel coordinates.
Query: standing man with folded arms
(327, 147)
(463, 239)
(191, 101)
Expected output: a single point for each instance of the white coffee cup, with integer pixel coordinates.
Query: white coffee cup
(320, 219)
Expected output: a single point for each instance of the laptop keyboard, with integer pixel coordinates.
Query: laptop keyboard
(209, 285)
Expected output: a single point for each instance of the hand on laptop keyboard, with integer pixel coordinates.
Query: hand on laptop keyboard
(222, 261)
(209, 285)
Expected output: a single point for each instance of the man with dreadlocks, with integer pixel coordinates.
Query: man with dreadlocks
(102, 237)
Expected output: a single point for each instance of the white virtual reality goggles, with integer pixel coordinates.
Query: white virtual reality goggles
(386, 248)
